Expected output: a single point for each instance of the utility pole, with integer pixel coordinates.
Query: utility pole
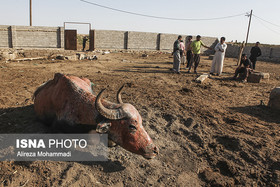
(30, 14)
(249, 26)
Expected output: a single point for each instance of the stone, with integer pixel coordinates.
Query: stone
(60, 57)
(211, 57)
(9, 55)
(274, 100)
(81, 56)
(263, 75)
(105, 52)
(144, 55)
(94, 57)
(202, 78)
(71, 57)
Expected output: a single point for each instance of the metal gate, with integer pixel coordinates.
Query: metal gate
(70, 39)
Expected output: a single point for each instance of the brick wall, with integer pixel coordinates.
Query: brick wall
(31, 37)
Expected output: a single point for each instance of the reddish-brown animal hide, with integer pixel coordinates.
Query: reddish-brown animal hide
(70, 99)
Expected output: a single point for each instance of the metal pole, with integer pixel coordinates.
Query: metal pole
(249, 27)
(30, 14)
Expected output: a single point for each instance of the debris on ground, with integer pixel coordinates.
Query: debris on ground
(202, 78)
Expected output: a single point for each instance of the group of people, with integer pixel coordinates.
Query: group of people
(191, 54)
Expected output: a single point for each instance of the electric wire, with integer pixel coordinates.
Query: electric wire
(158, 17)
(266, 21)
(260, 20)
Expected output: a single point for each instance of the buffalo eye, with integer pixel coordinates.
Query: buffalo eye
(132, 127)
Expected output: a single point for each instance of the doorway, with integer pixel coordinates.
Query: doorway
(78, 36)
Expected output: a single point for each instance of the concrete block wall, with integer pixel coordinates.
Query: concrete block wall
(109, 39)
(210, 42)
(142, 40)
(167, 41)
(268, 53)
(31, 37)
(232, 51)
(275, 54)
(5, 36)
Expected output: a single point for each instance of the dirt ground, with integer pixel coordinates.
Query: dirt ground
(210, 134)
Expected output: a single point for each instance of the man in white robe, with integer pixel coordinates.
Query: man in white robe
(218, 61)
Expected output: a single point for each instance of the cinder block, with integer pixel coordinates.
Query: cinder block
(254, 78)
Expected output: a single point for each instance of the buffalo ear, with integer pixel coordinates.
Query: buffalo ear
(103, 127)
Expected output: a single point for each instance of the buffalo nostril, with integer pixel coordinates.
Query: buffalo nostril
(156, 151)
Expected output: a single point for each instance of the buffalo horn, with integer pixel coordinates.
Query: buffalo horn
(119, 97)
(113, 114)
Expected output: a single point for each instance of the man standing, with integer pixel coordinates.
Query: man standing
(182, 52)
(195, 46)
(85, 39)
(255, 52)
(246, 69)
(218, 61)
(176, 55)
(189, 51)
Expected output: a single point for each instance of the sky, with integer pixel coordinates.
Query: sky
(56, 12)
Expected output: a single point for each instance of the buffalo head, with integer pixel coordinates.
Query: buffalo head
(123, 123)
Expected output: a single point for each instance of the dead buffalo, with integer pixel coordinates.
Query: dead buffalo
(70, 99)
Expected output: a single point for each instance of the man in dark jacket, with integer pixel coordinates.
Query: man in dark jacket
(255, 52)
(246, 69)
(85, 39)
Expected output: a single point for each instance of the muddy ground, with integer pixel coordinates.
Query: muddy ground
(210, 134)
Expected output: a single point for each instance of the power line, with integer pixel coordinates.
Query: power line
(260, 20)
(158, 17)
(266, 21)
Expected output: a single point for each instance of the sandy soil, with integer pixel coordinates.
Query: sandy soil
(210, 134)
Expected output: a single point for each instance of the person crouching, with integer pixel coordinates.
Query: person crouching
(245, 68)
